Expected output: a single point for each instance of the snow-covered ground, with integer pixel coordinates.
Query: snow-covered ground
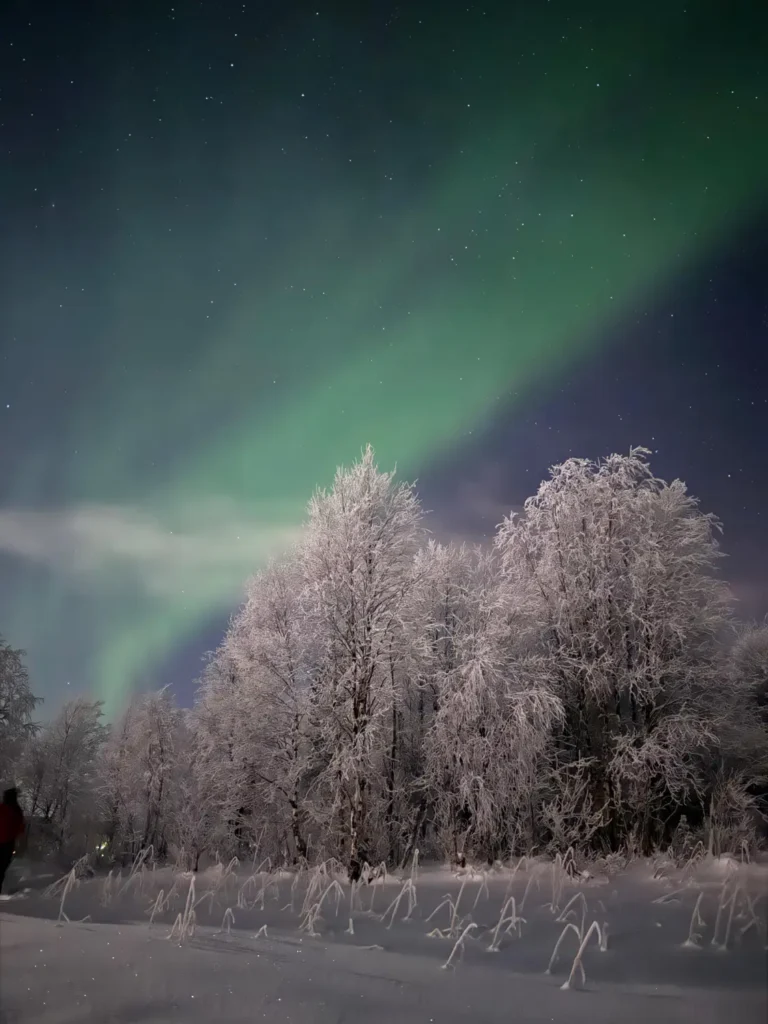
(106, 962)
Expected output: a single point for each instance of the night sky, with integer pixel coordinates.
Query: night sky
(241, 240)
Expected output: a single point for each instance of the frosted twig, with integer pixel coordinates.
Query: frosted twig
(351, 927)
(735, 896)
(308, 924)
(507, 922)
(257, 847)
(415, 865)
(483, 889)
(722, 903)
(157, 906)
(562, 868)
(593, 928)
(138, 864)
(184, 925)
(454, 925)
(210, 895)
(313, 887)
(754, 920)
(242, 901)
(409, 889)
(458, 945)
(71, 883)
(227, 921)
(294, 885)
(525, 894)
(697, 921)
(669, 897)
(106, 889)
(570, 927)
(563, 916)
(267, 882)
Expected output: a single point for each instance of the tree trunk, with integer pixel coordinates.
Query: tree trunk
(417, 824)
(298, 838)
(391, 789)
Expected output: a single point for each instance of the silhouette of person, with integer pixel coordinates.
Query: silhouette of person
(11, 830)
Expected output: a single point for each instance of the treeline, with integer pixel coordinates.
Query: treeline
(580, 682)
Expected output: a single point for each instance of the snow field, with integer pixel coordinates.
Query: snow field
(533, 943)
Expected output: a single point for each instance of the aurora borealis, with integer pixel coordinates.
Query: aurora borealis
(241, 241)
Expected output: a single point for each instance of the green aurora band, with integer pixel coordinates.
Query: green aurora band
(566, 196)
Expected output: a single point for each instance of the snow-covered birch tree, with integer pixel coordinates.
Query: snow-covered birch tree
(17, 705)
(137, 774)
(194, 813)
(619, 567)
(491, 716)
(59, 768)
(357, 566)
(270, 646)
(223, 733)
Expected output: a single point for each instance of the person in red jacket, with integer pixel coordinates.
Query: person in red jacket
(11, 830)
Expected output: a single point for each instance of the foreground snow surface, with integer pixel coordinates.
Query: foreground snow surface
(116, 967)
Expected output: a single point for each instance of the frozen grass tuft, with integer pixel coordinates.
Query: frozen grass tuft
(721, 905)
(670, 897)
(458, 946)
(184, 925)
(63, 886)
(570, 927)
(136, 874)
(107, 890)
(567, 912)
(70, 884)
(482, 889)
(455, 924)
(563, 870)
(697, 921)
(162, 902)
(313, 912)
(408, 889)
(754, 920)
(507, 922)
(415, 866)
(227, 922)
(594, 929)
(294, 885)
(528, 885)
(738, 895)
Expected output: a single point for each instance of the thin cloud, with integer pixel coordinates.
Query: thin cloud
(218, 545)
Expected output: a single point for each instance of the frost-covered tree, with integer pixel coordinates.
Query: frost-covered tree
(227, 740)
(271, 649)
(59, 769)
(490, 715)
(618, 567)
(194, 814)
(749, 665)
(579, 684)
(117, 783)
(155, 723)
(17, 705)
(740, 797)
(357, 566)
(137, 772)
